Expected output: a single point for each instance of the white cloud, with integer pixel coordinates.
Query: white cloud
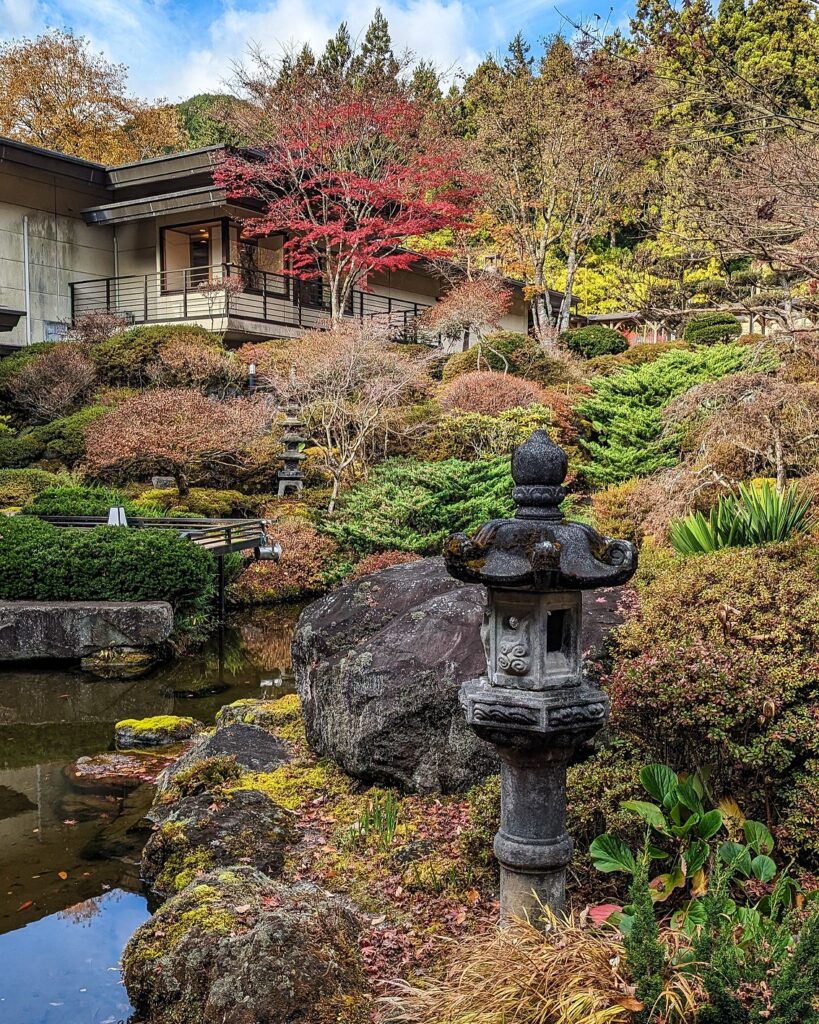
(176, 48)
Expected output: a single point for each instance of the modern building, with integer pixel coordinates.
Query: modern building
(158, 242)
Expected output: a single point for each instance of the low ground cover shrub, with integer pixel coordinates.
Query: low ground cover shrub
(472, 435)
(381, 560)
(712, 329)
(592, 341)
(19, 486)
(414, 506)
(509, 352)
(625, 410)
(204, 501)
(309, 563)
(716, 666)
(40, 562)
(489, 392)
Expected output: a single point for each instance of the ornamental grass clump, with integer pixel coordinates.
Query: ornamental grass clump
(568, 974)
(754, 515)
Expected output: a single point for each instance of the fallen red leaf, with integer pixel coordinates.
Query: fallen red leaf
(25, 906)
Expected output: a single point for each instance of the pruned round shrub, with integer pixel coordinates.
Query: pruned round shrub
(512, 353)
(185, 362)
(381, 560)
(712, 329)
(41, 562)
(53, 384)
(18, 486)
(63, 439)
(634, 355)
(80, 501)
(305, 567)
(717, 666)
(489, 392)
(124, 359)
(414, 506)
(592, 341)
(18, 451)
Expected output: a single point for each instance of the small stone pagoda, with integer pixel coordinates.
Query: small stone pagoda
(534, 704)
(291, 477)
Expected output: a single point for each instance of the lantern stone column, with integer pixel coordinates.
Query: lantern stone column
(291, 477)
(534, 704)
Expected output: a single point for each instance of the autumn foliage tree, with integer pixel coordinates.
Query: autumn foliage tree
(175, 430)
(59, 95)
(561, 143)
(347, 164)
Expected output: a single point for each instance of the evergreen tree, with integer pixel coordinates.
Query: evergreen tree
(375, 60)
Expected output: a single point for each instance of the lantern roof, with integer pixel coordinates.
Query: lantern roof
(539, 549)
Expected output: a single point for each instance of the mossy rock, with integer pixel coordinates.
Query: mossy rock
(210, 830)
(239, 948)
(281, 717)
(157, 731)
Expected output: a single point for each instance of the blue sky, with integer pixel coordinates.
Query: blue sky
(175, 48)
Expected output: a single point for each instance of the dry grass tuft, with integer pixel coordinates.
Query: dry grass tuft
(568, 974)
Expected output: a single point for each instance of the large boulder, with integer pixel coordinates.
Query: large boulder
(235, 947)
(201, 832)
(378, 666)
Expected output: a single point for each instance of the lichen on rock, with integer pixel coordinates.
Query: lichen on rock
(215, 829)
(236, 947)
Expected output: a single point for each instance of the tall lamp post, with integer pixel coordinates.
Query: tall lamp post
(534, 704)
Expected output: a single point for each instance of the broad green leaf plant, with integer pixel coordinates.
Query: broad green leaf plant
(682, 833)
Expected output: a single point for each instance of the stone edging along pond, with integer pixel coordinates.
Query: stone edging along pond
(108, 637)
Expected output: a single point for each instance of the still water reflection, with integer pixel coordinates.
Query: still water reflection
(69, 856)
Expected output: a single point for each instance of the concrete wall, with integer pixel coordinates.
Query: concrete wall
(62, 248)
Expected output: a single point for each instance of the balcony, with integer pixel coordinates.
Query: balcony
(228, 299)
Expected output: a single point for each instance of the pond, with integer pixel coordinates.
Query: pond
(70, 894)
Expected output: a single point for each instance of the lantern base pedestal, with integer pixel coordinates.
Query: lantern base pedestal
(524, 895)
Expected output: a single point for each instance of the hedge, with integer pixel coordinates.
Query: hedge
(82, 501)
(41, 562)
(17, 452)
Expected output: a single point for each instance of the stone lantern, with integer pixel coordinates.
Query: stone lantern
(534, 704)
(291, 477)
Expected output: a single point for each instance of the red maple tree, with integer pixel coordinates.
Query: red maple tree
(349, 176)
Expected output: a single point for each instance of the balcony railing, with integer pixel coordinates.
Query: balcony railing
(210, 293)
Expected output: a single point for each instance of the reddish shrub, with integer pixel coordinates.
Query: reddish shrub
(489, 392)
(307, 557)
(381, 560)
(53, 384)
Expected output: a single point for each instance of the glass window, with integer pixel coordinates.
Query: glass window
(259, 262)
(188, 255)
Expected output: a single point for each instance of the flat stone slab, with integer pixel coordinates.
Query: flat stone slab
(77, 629)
